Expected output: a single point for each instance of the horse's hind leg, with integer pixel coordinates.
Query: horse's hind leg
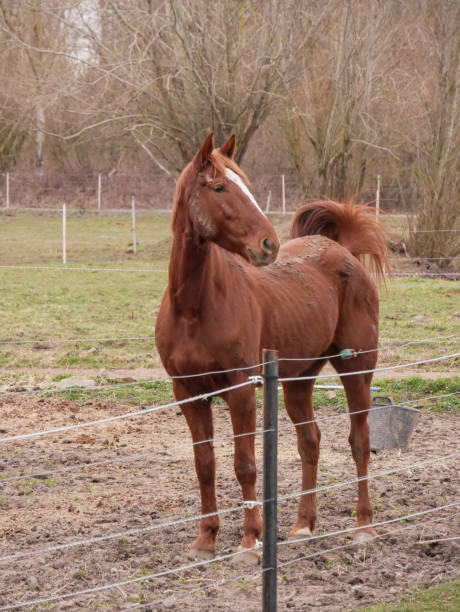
(199, 420)
(242, 404)
(299, 405)
(357, 389)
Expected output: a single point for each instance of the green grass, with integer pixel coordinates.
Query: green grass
(57, 305)
(146, 394)
(401, 306)
(53, 305)
(444, 597)
(401, 391)
(36, 238)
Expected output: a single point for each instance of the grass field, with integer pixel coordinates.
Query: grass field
(445, 597)
(58, 304)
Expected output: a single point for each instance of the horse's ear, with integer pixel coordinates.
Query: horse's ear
(204, 153)
(228, 148)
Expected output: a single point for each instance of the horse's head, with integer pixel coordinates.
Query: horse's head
(214, 203)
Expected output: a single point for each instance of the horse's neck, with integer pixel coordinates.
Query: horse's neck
(191, 274)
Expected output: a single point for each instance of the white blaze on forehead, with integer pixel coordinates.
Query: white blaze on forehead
(235, 178)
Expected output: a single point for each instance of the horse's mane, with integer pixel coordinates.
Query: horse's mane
(354, 226)
(216, 166)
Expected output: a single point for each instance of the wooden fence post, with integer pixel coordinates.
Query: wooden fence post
(64, 234)
(377, 197)
(283, 194)
(133, 216)
(7, 189)
(269, 197)
(99, 191)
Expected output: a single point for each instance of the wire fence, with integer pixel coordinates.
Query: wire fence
(67, 268)
(64, 211)
(178, 596)
(346, 353)
(255, 380)
(86, 467)
(174, 523)
(226, 557)
(252, 380)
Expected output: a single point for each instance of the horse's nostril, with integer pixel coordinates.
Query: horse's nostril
(267, 245)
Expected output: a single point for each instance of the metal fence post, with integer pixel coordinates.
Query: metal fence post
(270, 535)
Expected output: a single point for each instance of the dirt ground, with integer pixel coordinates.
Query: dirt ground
(160, 486)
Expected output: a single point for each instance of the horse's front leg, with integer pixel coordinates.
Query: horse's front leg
(242, 404)
(199, 420)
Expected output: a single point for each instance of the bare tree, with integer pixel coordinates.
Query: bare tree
(29, 27)
(332, 114)
(435, 219)
(166, 72)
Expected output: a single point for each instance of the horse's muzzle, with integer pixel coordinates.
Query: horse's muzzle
(266, 255)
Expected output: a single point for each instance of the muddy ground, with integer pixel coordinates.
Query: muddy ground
(147, 491)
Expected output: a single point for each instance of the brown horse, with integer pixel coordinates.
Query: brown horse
(223, 304)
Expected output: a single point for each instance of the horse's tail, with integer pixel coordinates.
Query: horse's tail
(350, 225)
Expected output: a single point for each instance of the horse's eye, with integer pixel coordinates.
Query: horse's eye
(219, 188)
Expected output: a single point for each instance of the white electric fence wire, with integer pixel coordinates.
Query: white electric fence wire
(134, 338)
(345, 483)
(430, 231)
(114, 386)
(82, 269)
(245, 368)
(137, 530)
(380, 348)
(114, 585)
(438, 540)
(331, 534)
(352, 544)
(258, 432)
(371, 409)
(421, 258)
(72, 340)
(220, 583)
(206, 562)
(429, 274)
(206, 587)
(129, 384)
(211, 585)
(122, 534)
(65, 268)
(137, 457)
(429, 397)
(203, 396)
(384, 369)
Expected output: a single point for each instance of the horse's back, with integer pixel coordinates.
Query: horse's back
(317, 294)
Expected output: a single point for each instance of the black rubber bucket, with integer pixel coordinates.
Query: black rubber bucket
(391, 426)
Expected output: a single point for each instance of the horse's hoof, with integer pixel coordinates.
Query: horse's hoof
(361, 538)
(303, 532)
(247, 556)
(201, 554)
